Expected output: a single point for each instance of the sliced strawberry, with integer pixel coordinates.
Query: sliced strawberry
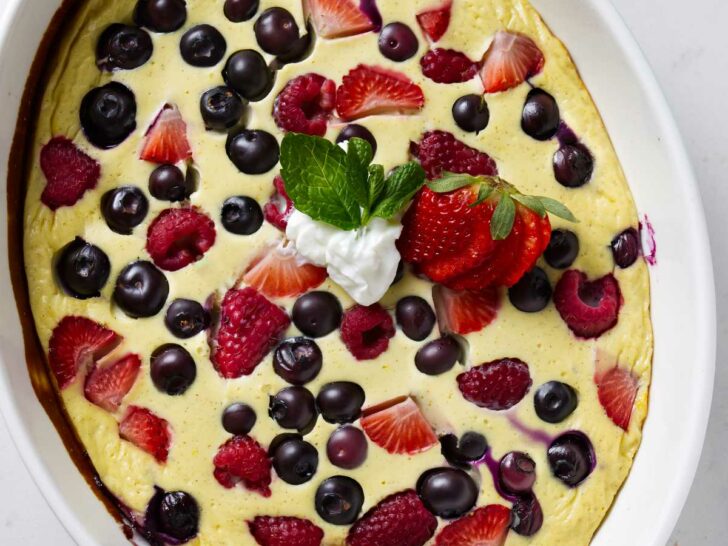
(370, 90)
(467, 311)
(617, 388)
(511, 59)
(166, 139)
(69, 171)
(278, 209)
(107, 386)
(146, 431)
(398, 426)
(434, 22)
(280, 272)
(337, 18)
(486, 526)
(75, 344)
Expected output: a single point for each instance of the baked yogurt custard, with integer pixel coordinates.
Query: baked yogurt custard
(329, 272)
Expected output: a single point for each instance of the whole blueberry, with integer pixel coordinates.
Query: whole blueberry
(562, 250)
(293, 408)
(108, 115)
(359, 131)
(555, 401)
(447, 492)
(517, 472)
(276, 31)
(415, 317)
(253, 151)
(540, 118)
(124, 208)
(526, 515)
(221, 108)
(179, 515)
(202, 46)
(571, 457)
(339, 499)
(397, 42)
(141, 290)
(471, 113)
(573, 165)
(238, 11)
(294, 460)
(532, 293)
(241, 215)
(297, 360)
(186, 318)
(462, 451)
(161, 15)
(340, 401)
(626, 248)
(317, 313)
(123, 47)
(347, 447)
(82, 269)
(173, 369)
(248, 74)
(238, 419)
(438, 356)
(169, 183)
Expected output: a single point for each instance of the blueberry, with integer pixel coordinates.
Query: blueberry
(555, 401)
(299, 50)
(141, 290)
(447, 492)
(532, 293)
(317, 314)
(238, 11)
(161, 15)
(415, 317)
(82, 269)
(527, 515)
(168, 183)
(517, 472)
(397, 42)
(173, 369)
(359, 131)
(241, 215)
(186, 318)
(276, 31)
(297, 360)
(238, 419)
(124, 208)
(562, 250)
(294, 460)
(571, 457)
(541, 117)
(178, 515)
(202, 46)
(461, 452)
(293, 408)
(471, 113)
(347, 447)
(253, 152)
(438, 356)
(247, 73)
(221, 108)
(123, 47)
(338, 500)
(626, 248)
(340, 402)
(108, 115)
(573, 165)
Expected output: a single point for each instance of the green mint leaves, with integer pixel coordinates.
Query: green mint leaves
(504, 215)
(343, 188)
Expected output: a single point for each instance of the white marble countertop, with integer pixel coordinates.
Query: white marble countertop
(687, 49)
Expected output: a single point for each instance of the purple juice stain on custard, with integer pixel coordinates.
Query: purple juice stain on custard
(649, 241)
(538, 436)
(369, 7)
(565, 135)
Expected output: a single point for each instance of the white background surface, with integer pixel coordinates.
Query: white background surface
(687, 49)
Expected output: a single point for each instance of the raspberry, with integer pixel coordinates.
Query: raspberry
(243, 460)
(439, 151)
(589, 308)
(366, 331)
(497, 385)
(399, 520)
(178, 237)
(279, 207)
(447, 66)
(285, 531)
(69, 172)
(305, 105)
(250, 326)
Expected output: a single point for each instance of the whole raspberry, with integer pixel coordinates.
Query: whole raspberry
(285, 531)
(589, 308)
(69, 172)
(439, 151)
(178, 237)
(279, 207)
(399, 520)
(497, 385)
(250, 326)
(243, 460)
(447, 66)
(366, 331)
(305, 105)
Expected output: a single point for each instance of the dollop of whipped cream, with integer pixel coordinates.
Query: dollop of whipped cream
(362, 261)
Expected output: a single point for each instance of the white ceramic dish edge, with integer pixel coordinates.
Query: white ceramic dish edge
(648, 506)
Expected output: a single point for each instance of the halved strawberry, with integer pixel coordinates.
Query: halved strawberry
(434, 22)
(486, 526)
(166, 141)
(511, 59)
(75, 344)
(467, 311)
(337, 18)
(617, 388)
(280, 272)
(146, 431)
(107, 386)
(370, 90)
(398, 426)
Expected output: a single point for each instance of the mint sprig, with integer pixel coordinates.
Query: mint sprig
(504, 216)
(343, 188)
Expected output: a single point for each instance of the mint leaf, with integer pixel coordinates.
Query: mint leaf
(531, 202)
(376, 184)
(358, 157)
(502, 222)
(552, 206)
(400, 187)
(315, 172)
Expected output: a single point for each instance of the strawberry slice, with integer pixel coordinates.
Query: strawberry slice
(617, 388)
(146, 431)
(511, 59)
(107, 386)
(166, 139)
(69, 171)
(486, 526)
(434, 22)
(75, 344)
(280, 272)
(398, 426)
(371, 90)
(467, 311)
(337, 18)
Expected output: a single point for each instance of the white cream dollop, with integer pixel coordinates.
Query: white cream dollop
(362, 261)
